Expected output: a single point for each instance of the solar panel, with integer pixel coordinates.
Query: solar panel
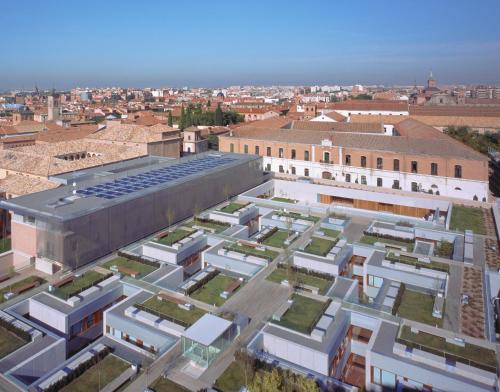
(126, 185)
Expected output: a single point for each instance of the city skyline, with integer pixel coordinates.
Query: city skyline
(157, 44)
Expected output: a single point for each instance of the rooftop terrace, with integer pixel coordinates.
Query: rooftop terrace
(302, 315)
(469, 354)
(79, 284)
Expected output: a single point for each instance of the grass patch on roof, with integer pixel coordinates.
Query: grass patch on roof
(79, 284)
(418, 307)
(250, 250)
(319, 246)
(172, 312)
(467, 218)
(172, 237)
(476, 356)
(210, 292)
(233, 207)
(302, 315)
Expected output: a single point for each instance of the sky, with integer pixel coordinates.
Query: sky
(159, 43)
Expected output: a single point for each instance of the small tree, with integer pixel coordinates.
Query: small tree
(170, 216)
(219, 116)
(227, 192)
(170, 120)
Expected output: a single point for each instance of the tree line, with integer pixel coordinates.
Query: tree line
(478, 141)
(194, 115)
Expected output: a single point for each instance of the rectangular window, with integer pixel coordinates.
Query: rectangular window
(268, 151)
(348, 160)
(396, 165)
(363, 180)
(363, 161)
(306, 155)
(294, 154)
(379, 182)
(395, 184)
(281, 169)
(280, 153)
(231, 147)
(414, 167)
(458, 171)
(434, 169)
(257, 150)
(414, 187)
(383, 377)
(347, 178)
(306, 172)
(268, 167)
(375, 281)
(293, 170)
(245, 148)
(380, 163)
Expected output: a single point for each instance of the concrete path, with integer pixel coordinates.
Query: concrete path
(354, 231)
(451, 320)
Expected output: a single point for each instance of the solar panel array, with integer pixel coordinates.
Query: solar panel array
(126, 185)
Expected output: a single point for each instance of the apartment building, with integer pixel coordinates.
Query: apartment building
(417, 157)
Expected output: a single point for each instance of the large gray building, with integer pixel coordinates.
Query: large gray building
(97, 211)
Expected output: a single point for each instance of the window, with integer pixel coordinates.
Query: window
(293, 170)
(379, 182)
(396, 165)
(347, 178)
(281, 169)
(306, 172)
(245, 148)
(326, 157)
(434, 169)
(280, 153)
(395, 184)
(414, 187)
(380, 163)
(383, 377)
(363, 180)
(306, 155)
(348, 160)
(268, 151)
(257, 150)
(414, 167)
(268, 167)
(458, 171)
(231, 147)
(375, 281)
(294, 154)
(363, 161)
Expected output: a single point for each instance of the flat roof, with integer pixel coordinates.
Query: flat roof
(109, 185)
(207, 329)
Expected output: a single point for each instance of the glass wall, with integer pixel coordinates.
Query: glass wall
(204, 355)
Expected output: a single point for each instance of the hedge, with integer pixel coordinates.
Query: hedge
(389, 237)
(139, 259)
(321, 275)
(206, 220)
(399, 298)
(267, 235)
(26, 336)
(202, 282)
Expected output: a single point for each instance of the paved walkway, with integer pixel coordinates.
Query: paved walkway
(354, 231)
(451, 318)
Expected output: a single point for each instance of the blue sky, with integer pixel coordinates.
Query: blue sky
(214, 43)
